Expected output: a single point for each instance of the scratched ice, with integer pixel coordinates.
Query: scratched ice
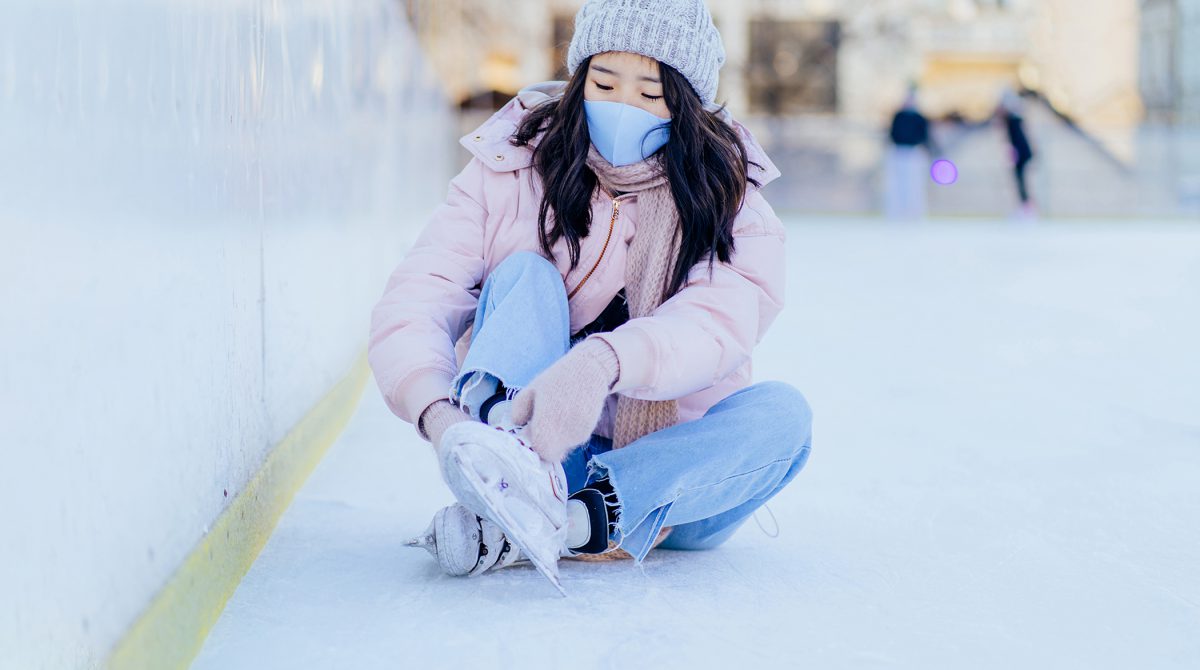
(1003, 475)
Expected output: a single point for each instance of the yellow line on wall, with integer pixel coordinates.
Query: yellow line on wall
(170, 632)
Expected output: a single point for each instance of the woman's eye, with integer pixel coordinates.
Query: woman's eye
(602, 87)
(652, 97)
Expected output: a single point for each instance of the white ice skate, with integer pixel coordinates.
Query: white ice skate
(494, 473)
(466, 544)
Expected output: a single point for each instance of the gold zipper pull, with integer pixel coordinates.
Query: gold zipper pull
(611, 224)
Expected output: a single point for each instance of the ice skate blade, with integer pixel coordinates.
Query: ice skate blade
(420, 542)
(499, 516)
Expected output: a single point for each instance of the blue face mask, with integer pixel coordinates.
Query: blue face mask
(625, 134)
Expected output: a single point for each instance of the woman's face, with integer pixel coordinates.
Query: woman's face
(620, 76)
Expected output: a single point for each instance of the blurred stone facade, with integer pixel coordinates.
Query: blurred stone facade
(818, 80)
(1170, 60)
(853, 58)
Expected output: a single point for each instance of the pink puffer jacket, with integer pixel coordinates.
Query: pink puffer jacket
(695, 347)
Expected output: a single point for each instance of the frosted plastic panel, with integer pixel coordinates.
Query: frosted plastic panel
(199, 203)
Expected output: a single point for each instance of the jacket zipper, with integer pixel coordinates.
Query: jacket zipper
(611, 224)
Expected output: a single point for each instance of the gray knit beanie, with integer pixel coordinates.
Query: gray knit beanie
(679, 33)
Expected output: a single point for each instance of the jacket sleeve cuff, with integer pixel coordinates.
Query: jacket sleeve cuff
(635, 355)
(417, 391)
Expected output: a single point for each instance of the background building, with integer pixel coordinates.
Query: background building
(1169, 77)
(818, 80)
(853, 59)
(1170, 60)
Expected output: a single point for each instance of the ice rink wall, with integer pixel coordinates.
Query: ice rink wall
(199, 203)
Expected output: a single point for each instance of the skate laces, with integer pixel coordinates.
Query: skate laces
(612, 506)
(507, 551)
(499, 416)
(774, 522)
(613, 510)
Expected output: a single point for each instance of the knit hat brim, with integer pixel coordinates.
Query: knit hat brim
(678, 33)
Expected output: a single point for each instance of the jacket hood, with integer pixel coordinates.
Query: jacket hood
(490, 141)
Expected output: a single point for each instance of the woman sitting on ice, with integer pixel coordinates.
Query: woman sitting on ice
(611, 254)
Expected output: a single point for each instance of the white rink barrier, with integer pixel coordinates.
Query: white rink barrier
(199, 203)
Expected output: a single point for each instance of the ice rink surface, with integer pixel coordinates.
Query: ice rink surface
(1005, 473)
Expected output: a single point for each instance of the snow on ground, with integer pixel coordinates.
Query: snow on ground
(1005, 473)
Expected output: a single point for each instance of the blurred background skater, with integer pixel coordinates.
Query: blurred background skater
(907, 162)
(1011, 114)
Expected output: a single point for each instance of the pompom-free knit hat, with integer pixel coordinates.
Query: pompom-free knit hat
(679, 33)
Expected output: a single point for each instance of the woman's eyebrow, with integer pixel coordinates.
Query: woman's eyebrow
(600, 68)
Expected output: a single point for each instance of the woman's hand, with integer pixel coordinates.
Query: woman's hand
(561, 407)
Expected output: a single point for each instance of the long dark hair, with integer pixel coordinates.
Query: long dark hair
(705, 160)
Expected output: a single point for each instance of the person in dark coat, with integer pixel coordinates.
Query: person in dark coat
(1022, 152)
(907, 162)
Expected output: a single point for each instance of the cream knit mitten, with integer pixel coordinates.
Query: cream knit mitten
(436, 418)
(561, 406)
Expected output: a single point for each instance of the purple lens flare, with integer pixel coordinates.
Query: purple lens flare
(943, 172)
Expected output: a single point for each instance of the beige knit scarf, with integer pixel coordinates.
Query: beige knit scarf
(650, 258)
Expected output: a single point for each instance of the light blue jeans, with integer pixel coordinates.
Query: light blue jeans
(703, 478)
